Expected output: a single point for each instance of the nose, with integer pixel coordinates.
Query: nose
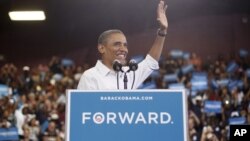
(124, 47)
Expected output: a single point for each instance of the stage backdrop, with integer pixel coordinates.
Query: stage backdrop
(138, 115)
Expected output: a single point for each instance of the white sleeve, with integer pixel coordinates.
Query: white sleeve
(151, 62)
(145, 68)
(85, 83)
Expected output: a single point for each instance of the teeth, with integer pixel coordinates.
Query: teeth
(121, 55)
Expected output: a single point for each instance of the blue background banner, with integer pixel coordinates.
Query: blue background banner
(141, 115)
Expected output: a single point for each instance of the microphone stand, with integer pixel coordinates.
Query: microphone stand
(125, 80)
(132, 67)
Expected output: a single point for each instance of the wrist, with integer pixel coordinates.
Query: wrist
(162, 32)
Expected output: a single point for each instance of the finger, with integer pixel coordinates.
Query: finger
(165, 8)
(160, 5)
(162, 1)
(160, 8)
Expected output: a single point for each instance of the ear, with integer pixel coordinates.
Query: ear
(100, 48)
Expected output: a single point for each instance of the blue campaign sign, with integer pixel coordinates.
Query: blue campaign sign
(9, 134)
(139, 115)
(170, 77)
(4, 90)
(212, 106)
(237, 120)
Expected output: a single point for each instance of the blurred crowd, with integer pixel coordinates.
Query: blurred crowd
(36, 96)
(35, 103)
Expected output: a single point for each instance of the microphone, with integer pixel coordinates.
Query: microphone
(133, 66)
(117, 66)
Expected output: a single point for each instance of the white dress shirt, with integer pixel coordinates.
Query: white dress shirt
(101, 77)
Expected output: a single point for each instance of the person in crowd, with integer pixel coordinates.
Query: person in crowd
(208, 134)
(52, 132)
(34, 128)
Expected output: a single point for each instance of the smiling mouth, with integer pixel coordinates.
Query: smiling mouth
(121, 56)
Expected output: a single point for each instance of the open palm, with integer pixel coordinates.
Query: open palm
(161, 15)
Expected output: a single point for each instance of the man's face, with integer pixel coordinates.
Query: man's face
(116, 47)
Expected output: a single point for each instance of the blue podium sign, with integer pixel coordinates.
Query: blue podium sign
(138, 115)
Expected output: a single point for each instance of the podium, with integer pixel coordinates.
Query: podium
(126, 115)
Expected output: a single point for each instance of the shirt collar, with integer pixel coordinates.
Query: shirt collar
(104, 70)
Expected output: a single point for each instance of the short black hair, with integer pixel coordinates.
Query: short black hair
(104, 36)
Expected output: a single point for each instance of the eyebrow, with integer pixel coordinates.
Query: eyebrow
(119, 43)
